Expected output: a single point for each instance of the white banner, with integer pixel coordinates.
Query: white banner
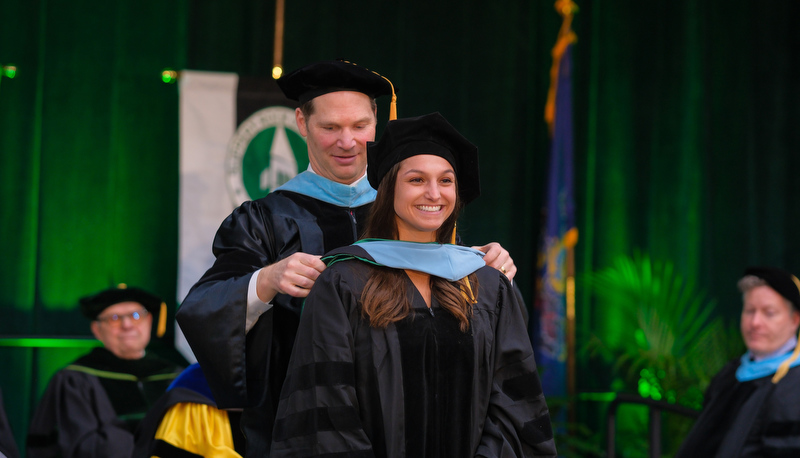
(222, 164)
(207, 123)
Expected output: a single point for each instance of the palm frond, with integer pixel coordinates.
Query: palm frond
(672, 321)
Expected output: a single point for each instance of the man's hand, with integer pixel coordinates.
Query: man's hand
(294, 276)
(496, 256)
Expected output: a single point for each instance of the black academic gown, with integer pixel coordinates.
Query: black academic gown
(247, 370)
(747, 419)
(420, 387)
(92, 407)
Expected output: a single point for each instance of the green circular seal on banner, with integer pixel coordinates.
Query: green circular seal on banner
(265, 152)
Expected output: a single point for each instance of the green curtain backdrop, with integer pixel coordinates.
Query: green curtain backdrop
(686, 147)
(88, 170)
(687, 136)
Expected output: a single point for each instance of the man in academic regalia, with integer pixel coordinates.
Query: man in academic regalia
(241, 317)
(92, 407)
(752, 406)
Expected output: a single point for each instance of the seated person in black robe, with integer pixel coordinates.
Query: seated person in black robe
(752, 406)
(186, 422)
(409, 345)
(92, 407)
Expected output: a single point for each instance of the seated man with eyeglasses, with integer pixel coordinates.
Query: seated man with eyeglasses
(92, 407)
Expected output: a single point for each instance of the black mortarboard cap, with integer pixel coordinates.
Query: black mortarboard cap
(428, 134)
(327, 76)
(92, 306)
(784, 283)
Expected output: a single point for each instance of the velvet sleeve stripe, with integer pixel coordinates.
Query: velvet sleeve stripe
(42, 440)
(524, 386)
(329, 373)
(537, 430)
(782, 429)
(312, 421)
(349, 454)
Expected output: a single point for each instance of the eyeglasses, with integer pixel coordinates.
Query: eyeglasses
(116, 320)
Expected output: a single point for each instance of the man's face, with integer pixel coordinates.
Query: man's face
(337, 134)
(126, 337)
(768, 320)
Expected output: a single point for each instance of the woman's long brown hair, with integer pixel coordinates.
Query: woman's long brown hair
(385, 298)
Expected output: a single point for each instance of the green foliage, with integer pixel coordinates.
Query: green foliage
(672, 343)
(676, 343)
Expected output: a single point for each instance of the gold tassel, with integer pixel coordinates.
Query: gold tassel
(783, 369)
(162, 320)
(468, 294)
(466, 288)
(393, 104)
(797, 284)
(393, 107)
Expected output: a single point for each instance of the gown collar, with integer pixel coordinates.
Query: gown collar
(451, 262)
(312, 185)
(751, 370)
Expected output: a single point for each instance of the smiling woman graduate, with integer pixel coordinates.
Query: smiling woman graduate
(409, 345)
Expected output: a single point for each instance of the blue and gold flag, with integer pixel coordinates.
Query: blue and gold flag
(554, 304)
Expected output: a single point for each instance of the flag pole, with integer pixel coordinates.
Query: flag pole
(570, 240)
(277, 54)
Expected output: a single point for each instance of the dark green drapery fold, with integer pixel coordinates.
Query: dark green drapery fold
(89, 170)
(686, 120)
